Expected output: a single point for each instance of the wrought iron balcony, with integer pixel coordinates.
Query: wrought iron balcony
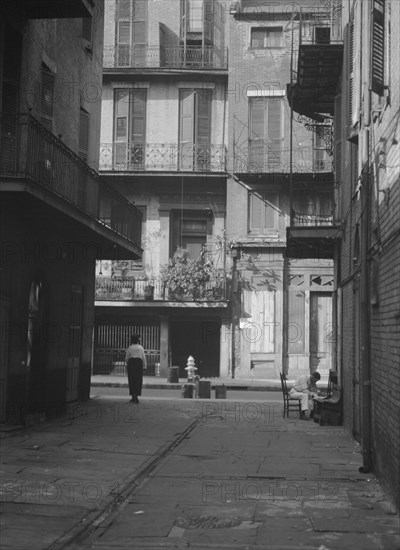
(302, 219)
(263, 157)
(139, 157)
(164, 57)
(134, 288)
(29, 152)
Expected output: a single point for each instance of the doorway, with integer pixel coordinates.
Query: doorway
(321, 332)
(199, 338)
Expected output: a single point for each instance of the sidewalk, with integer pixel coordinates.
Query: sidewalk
(199, 473)
(153, 382)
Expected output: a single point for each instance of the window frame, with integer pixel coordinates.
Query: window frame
(270, 197)
(267, 44)
(268, 163)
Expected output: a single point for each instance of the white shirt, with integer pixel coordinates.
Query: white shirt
(136, 350)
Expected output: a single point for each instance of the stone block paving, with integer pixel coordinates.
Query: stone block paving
(189, 474)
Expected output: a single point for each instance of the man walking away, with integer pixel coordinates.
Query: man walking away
(305, 388)
(135, 360)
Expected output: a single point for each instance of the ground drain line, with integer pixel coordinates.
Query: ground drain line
(94, 518)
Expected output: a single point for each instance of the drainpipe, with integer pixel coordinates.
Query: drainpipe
(365, 375)
(365, 321)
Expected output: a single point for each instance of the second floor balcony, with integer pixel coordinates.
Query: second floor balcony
(120, 289)
(142, 56)
(263, 157)
(33, 159)
(169, 157)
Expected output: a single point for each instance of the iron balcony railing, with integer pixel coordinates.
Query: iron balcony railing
(30, 151)
(165, 57)
(136, 157)
(135, 288)
(302, 219)
(260, 156)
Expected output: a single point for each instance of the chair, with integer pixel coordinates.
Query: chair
(289, 403)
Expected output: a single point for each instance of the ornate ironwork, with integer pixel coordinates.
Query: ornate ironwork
(323, 130)
(165, 57)
(137, 157)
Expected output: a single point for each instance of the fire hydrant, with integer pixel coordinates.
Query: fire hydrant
(190, 369)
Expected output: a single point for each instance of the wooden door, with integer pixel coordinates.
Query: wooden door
(321, 332)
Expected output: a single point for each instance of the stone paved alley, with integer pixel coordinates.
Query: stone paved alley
(201, 474)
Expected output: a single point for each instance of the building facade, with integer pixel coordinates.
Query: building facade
(364, 99)
(279, 200)
(163, 145)
(57, 218)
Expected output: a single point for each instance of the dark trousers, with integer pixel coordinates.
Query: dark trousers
(135, 376)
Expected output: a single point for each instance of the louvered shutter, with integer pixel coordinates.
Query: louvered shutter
(378, 46)
(121, 111)
(257, 134)
(83, 134)
(139, 34)
(274, 152)
(9, 127)
(138, 126)
(123, 33)
(255, 213)
(186, 137)
(203, 129)
(47, 98)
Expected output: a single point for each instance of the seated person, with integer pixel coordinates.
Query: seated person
(305, 389)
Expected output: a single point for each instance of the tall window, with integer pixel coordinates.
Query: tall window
(131, 32)
(263, 212)
(195, 129)
(265, 133)
(267, 37)
(130, 126)
(189, 230)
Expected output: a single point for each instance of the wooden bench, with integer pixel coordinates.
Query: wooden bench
(328, 410)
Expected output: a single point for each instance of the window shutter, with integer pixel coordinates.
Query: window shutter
(270, 204)
(255, 212)
(123, 32)
(139, 32)
(121, 110)
(138, 116)
(83, 134)
(87, 29)
(47, 98)
(257, 134)
(204, 100)
(378, 46)
(186, 137)
(274, 153)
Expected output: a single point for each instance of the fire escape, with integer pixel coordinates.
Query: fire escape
(316, 67)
